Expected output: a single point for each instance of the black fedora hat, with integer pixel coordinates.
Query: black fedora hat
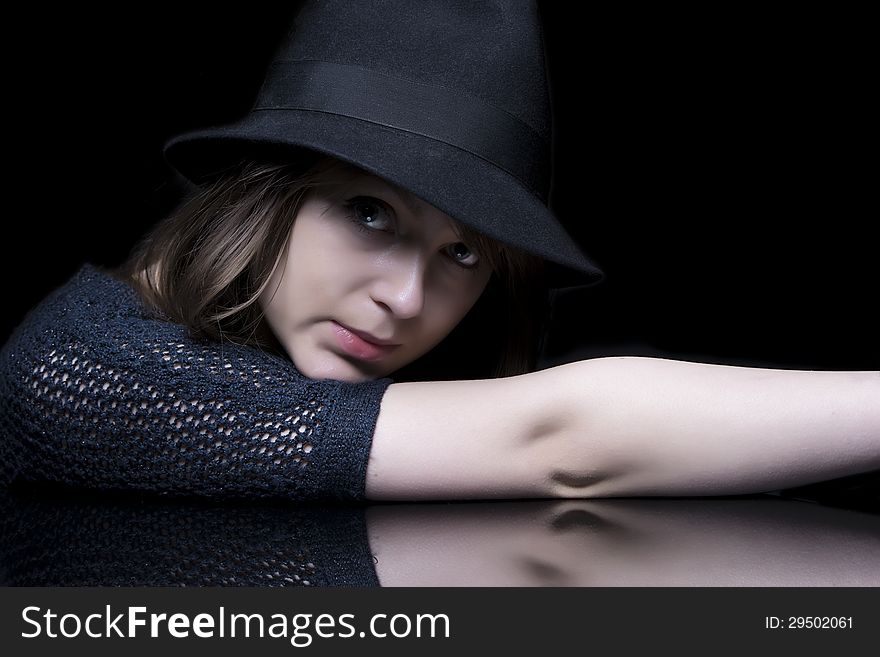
(448, 99)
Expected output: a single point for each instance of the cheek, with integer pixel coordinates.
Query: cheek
(288, 294)
(276, 311)
(327, 257)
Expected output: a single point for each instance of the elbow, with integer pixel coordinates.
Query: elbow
(564, 484)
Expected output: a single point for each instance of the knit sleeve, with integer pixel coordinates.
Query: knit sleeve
(83, 538)
(99, 394)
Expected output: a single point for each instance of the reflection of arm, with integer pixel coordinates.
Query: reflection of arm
(625, 426)
(647, 542)
(97, 395)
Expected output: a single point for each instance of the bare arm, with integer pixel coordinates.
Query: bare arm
(624, 426)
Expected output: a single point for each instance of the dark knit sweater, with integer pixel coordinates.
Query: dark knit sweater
(97, 392)
(83, 538)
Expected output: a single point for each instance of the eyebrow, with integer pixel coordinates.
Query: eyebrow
(415, 208)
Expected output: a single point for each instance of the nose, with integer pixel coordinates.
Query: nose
(401, 287)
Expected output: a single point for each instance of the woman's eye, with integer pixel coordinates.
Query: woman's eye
(369, 214)
(462, 255)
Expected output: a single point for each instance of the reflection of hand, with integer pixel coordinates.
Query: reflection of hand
(616, 542)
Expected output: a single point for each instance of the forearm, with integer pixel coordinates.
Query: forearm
(624, 426)
(463, 439)
(644, 426)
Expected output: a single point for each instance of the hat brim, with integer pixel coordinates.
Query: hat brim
(456, 182)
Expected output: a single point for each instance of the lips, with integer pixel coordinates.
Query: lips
(361, 345)
(367, 337)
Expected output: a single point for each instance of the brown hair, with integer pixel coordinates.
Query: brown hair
(206, 264)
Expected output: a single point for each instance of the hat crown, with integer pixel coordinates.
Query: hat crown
(448, 99)
(492, 51)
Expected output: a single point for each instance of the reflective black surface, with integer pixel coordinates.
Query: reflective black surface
(67, 538)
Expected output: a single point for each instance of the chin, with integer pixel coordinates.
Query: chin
(341, 370)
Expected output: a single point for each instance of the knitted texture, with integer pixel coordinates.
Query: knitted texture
(99, 393)
(89, 539)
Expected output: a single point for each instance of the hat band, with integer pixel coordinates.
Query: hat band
(445, 115)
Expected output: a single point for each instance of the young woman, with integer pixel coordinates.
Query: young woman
(351, 304)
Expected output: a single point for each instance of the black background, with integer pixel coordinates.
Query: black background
(715, 164)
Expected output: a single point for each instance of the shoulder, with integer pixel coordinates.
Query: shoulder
(90, 286)
(98, 281)
(93, 301)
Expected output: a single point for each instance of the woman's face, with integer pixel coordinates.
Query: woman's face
(368, 263)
